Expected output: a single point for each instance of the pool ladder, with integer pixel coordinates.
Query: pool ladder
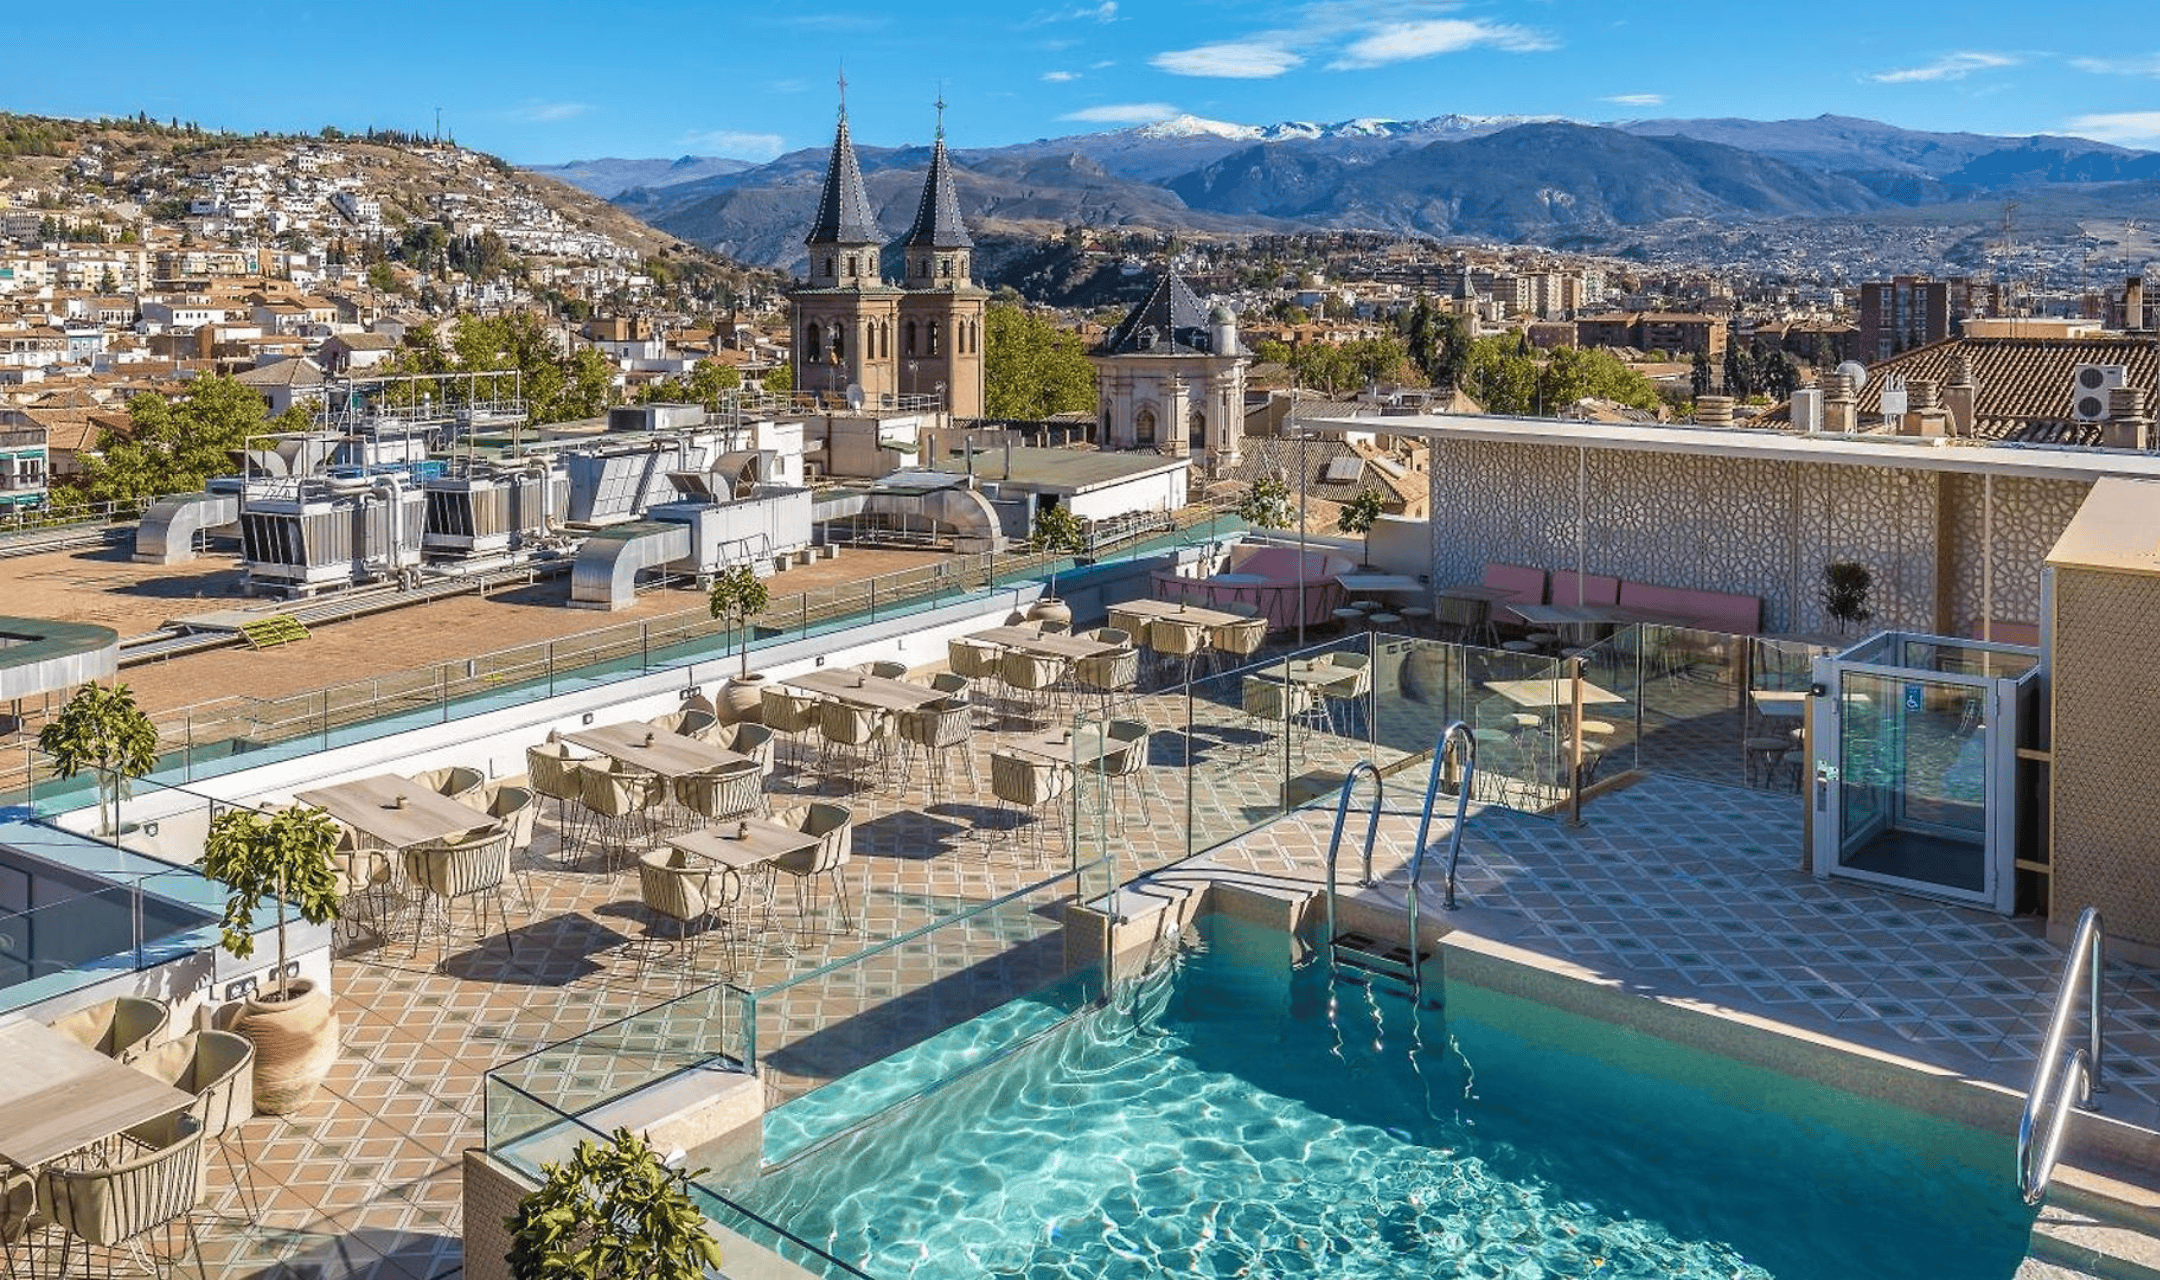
(1360, 957)
(2080, 1074)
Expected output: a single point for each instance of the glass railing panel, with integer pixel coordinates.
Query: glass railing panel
(621, 1057)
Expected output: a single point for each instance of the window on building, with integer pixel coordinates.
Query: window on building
(813, 349)
(828, 266)
(1143, 427)
(839, 343)
(1197, 429)
(851, 266)
(933, 337)
(908, 338)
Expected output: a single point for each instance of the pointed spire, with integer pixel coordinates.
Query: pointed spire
(937, 218)
(844, 215)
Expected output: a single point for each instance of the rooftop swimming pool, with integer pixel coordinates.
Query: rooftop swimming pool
(1218, 1120)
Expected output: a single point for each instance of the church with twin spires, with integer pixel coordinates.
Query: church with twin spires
(920, 338)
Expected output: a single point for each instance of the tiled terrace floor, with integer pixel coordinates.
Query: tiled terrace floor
(1676, 882)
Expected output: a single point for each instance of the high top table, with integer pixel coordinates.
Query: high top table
(57, 1096)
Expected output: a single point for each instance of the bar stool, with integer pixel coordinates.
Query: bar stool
(1383, 620)
(1416, 619)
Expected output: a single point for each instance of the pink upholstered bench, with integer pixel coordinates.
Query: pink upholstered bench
(1522, 581)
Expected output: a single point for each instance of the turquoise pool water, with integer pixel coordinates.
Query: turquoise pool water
(1222, 1125)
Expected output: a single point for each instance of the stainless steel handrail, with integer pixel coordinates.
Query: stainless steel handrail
(1372, 827)
(2081, 1068)
(1458, 732)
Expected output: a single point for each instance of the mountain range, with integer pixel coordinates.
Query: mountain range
(1505, 178)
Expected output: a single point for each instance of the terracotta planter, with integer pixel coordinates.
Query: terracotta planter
(742, 699)
(295, 1039)
(1050, 609)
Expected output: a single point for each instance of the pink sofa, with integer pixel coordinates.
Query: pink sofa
(1522, 581)
(1705, 610)
(1595, 588)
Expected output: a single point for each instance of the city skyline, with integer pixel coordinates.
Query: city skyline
(565, 81)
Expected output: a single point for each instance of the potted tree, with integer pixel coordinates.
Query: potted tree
(738, 595)
(611, 1211)
(102, 730)
(284, 857)
(1057, 532)
(1844, 593)
(1359, 515)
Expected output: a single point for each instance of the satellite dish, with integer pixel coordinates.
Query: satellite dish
(855, 396)
(1855, 373)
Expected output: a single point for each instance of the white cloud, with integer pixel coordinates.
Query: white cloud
(1403, 41)
(1060, 77)
(1236, 60)
(546, 112)
(1123, 113)
(1954, 66)
(1636, 99)
(735, 144)
(2142, 65)
(1106, 11)
(2117, 126)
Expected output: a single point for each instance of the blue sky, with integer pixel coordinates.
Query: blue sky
(549, 80)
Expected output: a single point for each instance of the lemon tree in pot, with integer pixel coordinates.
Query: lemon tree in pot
(737, 596)
(612, 1211)
(103, 732)
(1057, 532)
(283, 858)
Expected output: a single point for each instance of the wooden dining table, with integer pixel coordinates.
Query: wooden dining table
(1056, 646)
(1556, 692)
(671, 755)
(877, 692)
(1084, 745)
(761, 841)
(58, 1096)
(371, 805)
(1303, 671)
(1172, 611)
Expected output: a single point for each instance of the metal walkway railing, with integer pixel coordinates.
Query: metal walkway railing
(2079, 1069)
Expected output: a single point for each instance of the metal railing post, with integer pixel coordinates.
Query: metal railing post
(1575, 737)
(645, 646)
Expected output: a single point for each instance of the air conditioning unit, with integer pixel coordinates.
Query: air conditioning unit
(2089, 387)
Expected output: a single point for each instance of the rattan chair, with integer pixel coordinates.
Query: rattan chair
(856, 739)
(1134, 625)
(1177, 646)
(1271, 705)
(449, 871)
(884, 670)
(120, 1028)
(619, 802)
(1232, 643)
(115, 1207)
(454, 781)
(218, 1068)
(19, 1215)
(690, 722)
(552, 772)
(1108, 676)
(938, 730)
(1351, 691)
(834, 828)
(1034, 680)
(367, 888)
(673, 886)
(729, 791)
(1110, 635)
(518, 810)
(1030, 785)
(790, 713)
(1124, 765)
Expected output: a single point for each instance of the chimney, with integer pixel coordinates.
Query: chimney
(1841, 412)
(1924, 414)
(1959, 394)
(1714, 411)
(2127, 425)
(2134, 304)
(1807, 412)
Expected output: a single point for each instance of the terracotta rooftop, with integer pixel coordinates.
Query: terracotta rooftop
(2021, 386)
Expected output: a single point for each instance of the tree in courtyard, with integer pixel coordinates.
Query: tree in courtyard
(1031, 368)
